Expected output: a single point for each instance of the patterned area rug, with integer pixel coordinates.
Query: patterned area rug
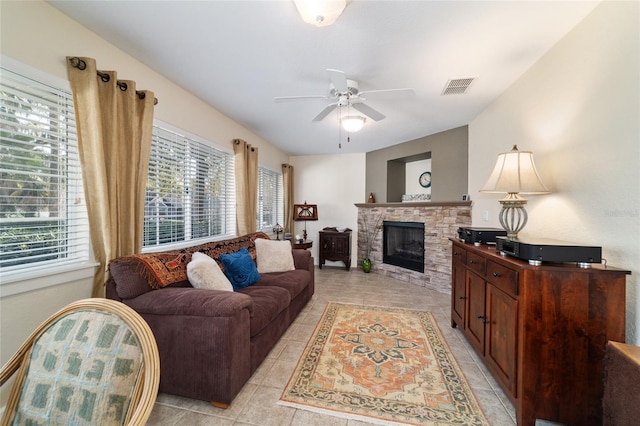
(381, 365)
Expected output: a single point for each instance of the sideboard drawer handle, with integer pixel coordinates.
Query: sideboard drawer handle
(472, 262)
(496, 274)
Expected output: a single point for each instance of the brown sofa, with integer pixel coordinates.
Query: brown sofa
(210, 341)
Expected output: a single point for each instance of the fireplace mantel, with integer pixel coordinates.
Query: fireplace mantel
(441, 221)
(410, 204)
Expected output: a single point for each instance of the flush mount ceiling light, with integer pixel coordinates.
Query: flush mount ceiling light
(352, 123)
(320, 13)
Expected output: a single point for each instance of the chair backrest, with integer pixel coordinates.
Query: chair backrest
(93, 362)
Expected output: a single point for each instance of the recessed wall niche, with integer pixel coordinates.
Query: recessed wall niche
(401, 172)
(449, 151)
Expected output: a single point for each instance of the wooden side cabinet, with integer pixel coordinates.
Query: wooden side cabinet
(335, 246)
(540, 330)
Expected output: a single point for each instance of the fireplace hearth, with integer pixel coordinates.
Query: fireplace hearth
(403, 244)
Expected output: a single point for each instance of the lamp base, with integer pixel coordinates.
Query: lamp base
(513, 217)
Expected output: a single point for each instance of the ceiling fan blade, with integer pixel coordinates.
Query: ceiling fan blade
(325, 112)
(339, 80)
(405, 93)
(298, 98)
(368, 111)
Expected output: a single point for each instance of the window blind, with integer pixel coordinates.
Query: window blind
(43, 217)
(270, 199)
(190, 191)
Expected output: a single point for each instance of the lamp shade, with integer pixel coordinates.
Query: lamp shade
(515, 172)
(352, 123)
(320, 13)
(305, 211)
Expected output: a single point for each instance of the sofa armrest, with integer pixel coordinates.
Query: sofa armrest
(302, 258)
(191, 302)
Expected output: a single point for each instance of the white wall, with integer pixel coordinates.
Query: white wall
(335, 183)
(413, 171)
(578, 110)
(39, 36)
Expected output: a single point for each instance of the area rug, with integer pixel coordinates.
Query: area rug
(381, 365)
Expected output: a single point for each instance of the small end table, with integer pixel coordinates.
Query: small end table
(305, 244)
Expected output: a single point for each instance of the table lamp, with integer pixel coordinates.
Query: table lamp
(305, 212)
(514, 173)
(278, 229)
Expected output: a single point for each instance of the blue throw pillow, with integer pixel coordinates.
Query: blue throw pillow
(240, 269)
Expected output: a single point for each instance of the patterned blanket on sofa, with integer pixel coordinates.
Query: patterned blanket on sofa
(164, 268)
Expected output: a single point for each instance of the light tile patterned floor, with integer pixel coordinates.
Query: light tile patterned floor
(256, 403)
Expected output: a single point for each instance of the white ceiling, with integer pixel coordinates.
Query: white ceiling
(238, 55)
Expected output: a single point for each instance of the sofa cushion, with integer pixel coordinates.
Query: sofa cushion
(130, 279)
(192, 302)
(292, 281)
(204, 272)
(274, 256)
(240, 268)
(268, 302)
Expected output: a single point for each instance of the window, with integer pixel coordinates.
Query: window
(43, 217)
(270, 200)
(190, 191)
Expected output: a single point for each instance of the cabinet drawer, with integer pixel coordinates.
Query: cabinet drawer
(459, 255)
(502, 277)
(476, 263)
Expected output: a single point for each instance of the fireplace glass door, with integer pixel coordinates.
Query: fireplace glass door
(403, 244)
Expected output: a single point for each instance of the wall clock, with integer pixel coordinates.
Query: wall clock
(425, 179)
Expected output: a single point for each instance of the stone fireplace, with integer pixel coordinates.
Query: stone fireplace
(403, 244)
(441, 222)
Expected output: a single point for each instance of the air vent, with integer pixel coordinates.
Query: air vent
(457, 86)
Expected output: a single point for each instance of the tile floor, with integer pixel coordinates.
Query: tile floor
(256, 403)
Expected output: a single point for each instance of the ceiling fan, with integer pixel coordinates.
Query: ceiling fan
(345, 93)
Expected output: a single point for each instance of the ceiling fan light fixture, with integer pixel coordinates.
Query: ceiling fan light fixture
(352, 123)
(320, 13)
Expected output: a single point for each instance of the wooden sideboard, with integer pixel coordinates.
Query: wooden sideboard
(335, 246)
(540, 330)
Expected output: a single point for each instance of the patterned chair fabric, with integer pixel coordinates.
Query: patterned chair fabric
(85, 366)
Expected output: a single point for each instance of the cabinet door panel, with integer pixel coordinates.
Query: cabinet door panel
(458, 294)
(340, 245)
(475, 318)
(501, 338)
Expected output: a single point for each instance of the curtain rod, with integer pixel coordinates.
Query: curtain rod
(82, 65)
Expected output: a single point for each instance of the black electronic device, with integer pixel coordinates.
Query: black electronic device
(540, 250)
(480, 235)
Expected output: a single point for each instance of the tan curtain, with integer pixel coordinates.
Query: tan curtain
(287, 185)
(246, 163)
(114, 124)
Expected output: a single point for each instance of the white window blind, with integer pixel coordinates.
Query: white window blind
(190, 191)
(43, 217)
(270, 200)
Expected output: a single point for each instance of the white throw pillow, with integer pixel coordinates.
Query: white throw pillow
(274, 256)
(204, 272)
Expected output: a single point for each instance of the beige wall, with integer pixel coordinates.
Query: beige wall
(335, 183)
(449, 154)
(578, 110)
(39, 36)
